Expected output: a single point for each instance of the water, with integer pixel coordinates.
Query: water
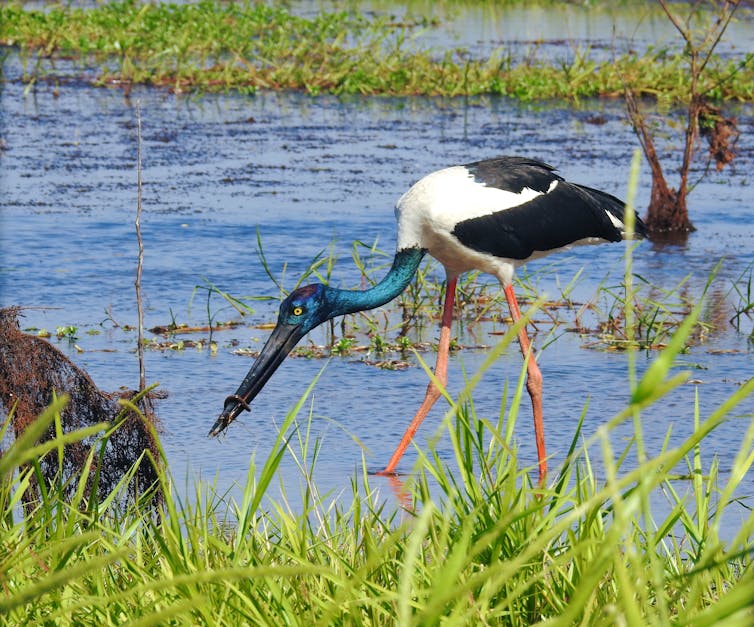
(307, 172)
(550, 30)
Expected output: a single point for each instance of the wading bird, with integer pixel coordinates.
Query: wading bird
(491, 215)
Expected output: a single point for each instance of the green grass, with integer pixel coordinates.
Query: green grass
(744, 306)
(477, 542)
(218, 46)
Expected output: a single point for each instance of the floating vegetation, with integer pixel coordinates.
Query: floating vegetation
(409, 323)
(247, 46)
(481, 309)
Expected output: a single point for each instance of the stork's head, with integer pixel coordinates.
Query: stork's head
(303, 310)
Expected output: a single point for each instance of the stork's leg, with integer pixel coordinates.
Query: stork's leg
(441, 373)
(533, 384)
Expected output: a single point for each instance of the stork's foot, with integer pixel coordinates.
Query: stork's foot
(385, 473)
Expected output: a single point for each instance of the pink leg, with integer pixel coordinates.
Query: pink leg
(533, 385)
(441, 372)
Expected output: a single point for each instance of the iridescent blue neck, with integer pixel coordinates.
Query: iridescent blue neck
(404, 267)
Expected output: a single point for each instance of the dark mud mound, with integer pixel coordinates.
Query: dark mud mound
(32, 372)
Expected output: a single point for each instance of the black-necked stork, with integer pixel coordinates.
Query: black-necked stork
(491, 215)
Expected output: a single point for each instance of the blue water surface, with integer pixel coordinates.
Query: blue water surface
(306, 173)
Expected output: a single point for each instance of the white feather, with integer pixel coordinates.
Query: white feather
(440, 200)
(616, 222)
(429, 211)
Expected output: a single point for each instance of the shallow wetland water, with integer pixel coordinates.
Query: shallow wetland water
(309, 172)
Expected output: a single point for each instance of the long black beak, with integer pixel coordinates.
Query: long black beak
(281, 342)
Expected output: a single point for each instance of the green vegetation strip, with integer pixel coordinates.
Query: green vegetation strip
(219, 46)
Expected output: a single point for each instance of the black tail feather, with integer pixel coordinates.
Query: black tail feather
(617, 208)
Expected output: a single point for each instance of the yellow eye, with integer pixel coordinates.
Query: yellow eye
(297, 311)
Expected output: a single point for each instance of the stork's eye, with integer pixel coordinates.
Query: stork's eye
(297, 311)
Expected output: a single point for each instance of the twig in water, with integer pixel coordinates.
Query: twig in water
(140, 259)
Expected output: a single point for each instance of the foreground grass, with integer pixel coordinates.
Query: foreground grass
(476, 544)
(217, 46)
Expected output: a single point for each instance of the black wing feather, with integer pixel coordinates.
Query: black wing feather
(512, 174)
(552, 220)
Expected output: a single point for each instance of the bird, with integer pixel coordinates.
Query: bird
(492, 215)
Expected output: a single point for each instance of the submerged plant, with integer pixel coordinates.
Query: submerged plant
(744, 289)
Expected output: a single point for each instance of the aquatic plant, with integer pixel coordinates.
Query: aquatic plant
(667, 212)
(410, 320)
(246, 46)
(743, 286)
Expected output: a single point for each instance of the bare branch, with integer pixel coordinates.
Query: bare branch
(728, 10)
(140, 259)
(684, 31)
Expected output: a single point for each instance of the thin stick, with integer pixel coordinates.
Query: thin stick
(140, 259)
